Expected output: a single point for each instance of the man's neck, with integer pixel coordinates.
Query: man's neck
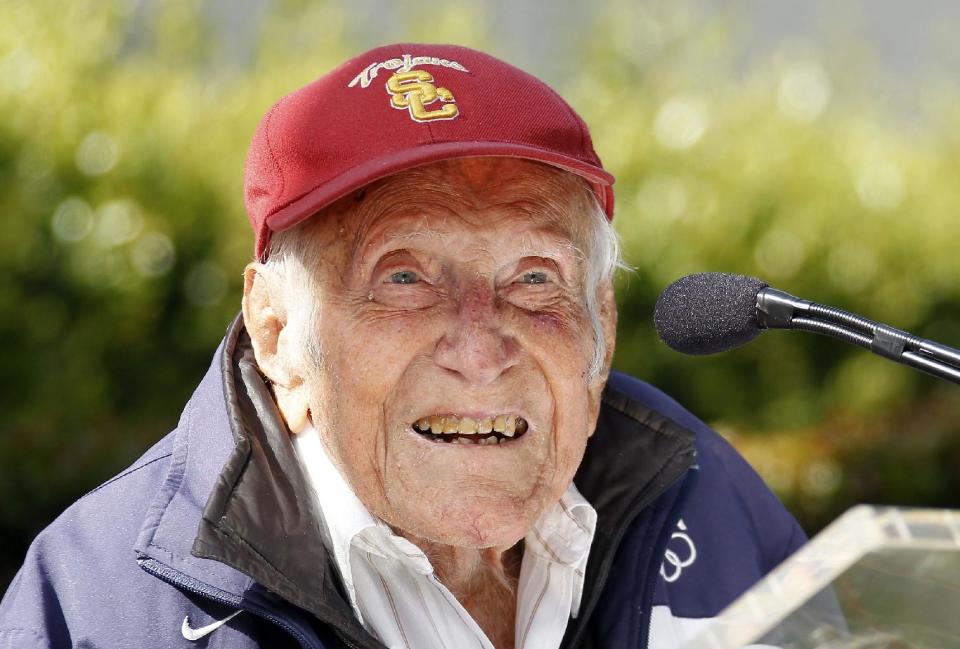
(484, 581)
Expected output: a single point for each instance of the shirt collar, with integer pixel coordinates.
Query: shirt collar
(342, 514)
(562, 535)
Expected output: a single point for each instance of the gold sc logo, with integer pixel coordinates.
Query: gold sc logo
(414, 90)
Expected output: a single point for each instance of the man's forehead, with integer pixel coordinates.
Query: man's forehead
(529, 199)
(423, 232)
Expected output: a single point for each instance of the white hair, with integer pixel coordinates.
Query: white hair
(293, 261)
(603, 261)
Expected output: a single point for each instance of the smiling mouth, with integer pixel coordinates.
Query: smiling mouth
(464, 430)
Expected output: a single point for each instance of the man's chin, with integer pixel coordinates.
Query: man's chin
(492, 522)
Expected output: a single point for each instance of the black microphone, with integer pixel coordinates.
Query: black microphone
(708, 313)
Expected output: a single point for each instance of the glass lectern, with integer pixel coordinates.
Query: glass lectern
(876, 578)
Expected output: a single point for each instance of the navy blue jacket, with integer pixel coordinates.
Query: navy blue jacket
(215, 519)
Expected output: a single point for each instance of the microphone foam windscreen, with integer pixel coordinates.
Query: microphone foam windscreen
(707, 313)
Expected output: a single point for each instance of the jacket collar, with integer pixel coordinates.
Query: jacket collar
(260, 517)
(233, 459)
(202, 443)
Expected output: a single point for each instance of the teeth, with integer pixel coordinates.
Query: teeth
(451, 428)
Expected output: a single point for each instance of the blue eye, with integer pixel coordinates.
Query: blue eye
(404, 277)
(534, 277)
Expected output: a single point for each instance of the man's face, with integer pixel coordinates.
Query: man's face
(452, 309)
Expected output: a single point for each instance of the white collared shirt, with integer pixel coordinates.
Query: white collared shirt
(392, 587)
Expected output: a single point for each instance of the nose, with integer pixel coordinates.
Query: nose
(475, 345)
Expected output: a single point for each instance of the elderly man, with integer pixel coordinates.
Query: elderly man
(409, 438)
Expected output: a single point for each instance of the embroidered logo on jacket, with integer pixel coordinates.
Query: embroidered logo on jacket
(193, 635)
(681, 553)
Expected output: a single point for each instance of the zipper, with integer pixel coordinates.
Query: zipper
(649, 587)
(191, 585)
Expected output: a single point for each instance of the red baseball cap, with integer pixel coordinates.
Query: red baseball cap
(396, 107)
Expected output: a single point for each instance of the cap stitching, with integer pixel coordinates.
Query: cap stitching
(273, 157)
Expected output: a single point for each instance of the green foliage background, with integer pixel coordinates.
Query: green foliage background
(122, 136)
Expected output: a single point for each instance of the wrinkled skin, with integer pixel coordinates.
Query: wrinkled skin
(457, 287)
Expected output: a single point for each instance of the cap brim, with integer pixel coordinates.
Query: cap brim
(301, 208)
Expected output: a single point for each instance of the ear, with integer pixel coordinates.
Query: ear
(265, 317)
(607, 303)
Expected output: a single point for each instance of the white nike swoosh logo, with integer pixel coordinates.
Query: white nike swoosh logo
(195, 634)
